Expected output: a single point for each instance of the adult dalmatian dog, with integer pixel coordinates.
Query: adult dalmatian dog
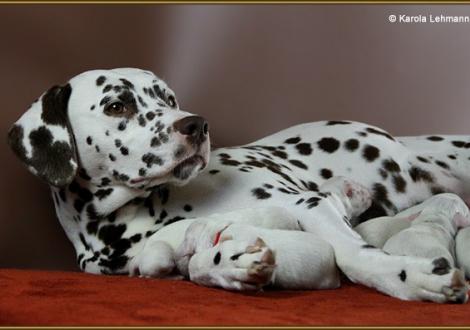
(123, 161)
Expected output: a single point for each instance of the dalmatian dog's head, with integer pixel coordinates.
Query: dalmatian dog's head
(120, 127)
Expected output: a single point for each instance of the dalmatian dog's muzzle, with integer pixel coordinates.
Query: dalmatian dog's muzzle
(118, 128)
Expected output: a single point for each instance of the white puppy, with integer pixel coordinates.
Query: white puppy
(277, 250)
(425, 230)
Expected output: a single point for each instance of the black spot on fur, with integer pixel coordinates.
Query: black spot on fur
(328, 144)
(312, 202)
(114, 263)
(326, 173)
(54, 105)
(399, 183)
(402, 276)
(217, 258)
(127, 83)
(435, 138)
(351, 144)
(100, 81)
(370, 153)
(236, 256)
(418, 174)
(174, 219)
(151, 159)
(187, 208)
(141, 120)
(391, 165)
(92, 213)
(380, 195)
(103, 193)
(280, 154)
(136, 238)
(150, 115)
(337, 122)
(304, 148)
(368, 246)
(105, 182)
(92, 227)
(111, 233)
(422, 159)
(458, 144)
(260, 193)
(451, 157)
(292, 140)
(378, 132)
(214, 171)
(112, 157)
(122, 125)
(298, 163)
(51, 160)
(124, 151)
(229, 162)
(89, 140)
(442, 164)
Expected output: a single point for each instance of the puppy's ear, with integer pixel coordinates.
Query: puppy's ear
(42, 138)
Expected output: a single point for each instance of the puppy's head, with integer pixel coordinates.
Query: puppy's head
(111, 127)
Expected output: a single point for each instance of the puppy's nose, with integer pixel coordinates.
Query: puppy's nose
(194, 127)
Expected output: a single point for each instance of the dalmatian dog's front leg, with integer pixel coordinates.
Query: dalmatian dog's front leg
(404, 277)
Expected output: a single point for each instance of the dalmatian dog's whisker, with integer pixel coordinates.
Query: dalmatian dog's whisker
(138, 192)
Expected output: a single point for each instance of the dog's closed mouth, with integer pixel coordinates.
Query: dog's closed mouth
(180, 171)
(184, 169)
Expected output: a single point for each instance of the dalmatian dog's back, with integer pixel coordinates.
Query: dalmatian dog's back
(124, 161)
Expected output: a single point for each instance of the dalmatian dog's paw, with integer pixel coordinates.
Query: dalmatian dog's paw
(434, 281)
(234, 265)
(356, 197)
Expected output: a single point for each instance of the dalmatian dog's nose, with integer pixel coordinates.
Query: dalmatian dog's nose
(195, 127)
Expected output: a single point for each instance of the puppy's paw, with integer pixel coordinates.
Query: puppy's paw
(234, 265)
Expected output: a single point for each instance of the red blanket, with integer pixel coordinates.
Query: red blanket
(67, 298)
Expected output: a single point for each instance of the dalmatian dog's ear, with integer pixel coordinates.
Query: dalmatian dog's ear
(42, 138)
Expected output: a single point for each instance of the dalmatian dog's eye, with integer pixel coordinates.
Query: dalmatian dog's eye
(171, 101)
(115, 109)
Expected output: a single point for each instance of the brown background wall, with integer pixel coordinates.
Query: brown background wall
(250, 69)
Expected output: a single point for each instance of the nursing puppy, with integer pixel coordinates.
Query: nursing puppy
(425, 230)
(269, 242)
(294, 259)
